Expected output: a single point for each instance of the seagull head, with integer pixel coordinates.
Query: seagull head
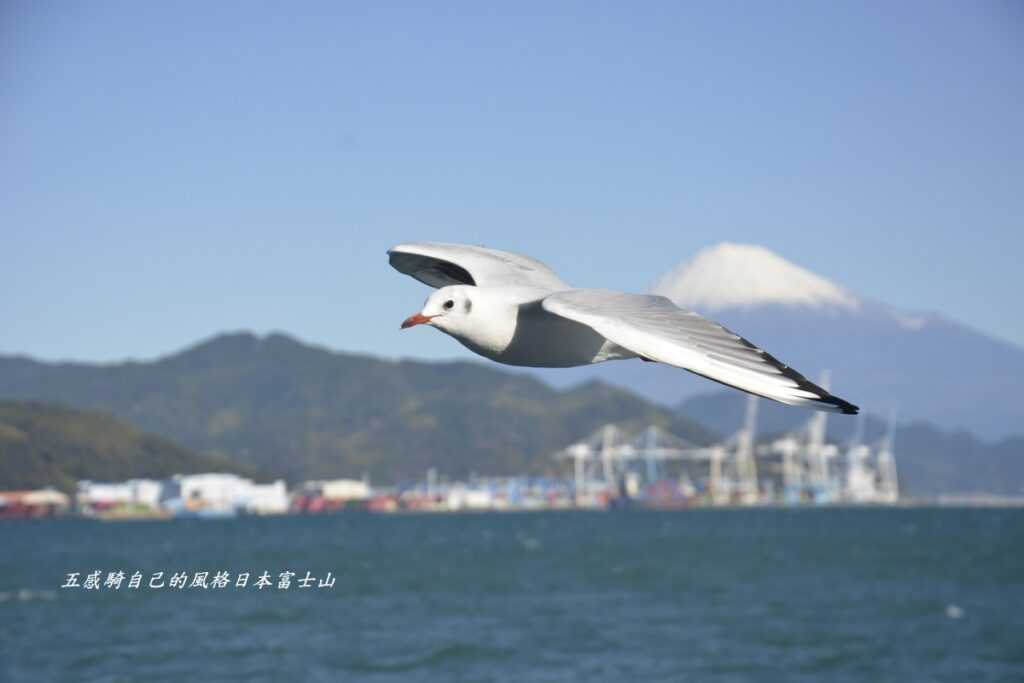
(447, 309)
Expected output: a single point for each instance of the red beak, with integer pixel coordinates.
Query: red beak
(416, 319)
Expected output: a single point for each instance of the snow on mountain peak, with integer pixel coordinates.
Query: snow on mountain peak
(730, 275)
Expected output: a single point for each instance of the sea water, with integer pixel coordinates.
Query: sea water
(702, 595)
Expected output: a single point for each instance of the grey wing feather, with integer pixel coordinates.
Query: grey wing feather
(655, 328)
(438, 265)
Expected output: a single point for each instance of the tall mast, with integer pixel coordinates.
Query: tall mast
(650, 446)
(746, 464)
(815, 454)
(888, 483)
(608, 435)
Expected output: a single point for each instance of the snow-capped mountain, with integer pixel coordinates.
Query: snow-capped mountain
(744, 275)
(922, 366)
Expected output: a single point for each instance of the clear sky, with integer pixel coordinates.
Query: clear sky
(172, 170)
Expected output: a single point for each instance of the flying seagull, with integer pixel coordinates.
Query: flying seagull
(513, 309)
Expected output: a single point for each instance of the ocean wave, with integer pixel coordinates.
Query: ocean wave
(27, 595)
(447, 654)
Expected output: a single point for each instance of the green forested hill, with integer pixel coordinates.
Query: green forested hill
(47, 445)
(302, 412)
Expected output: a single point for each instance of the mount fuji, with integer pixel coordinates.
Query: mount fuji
(918, 365)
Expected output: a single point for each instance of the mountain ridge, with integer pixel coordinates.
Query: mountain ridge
(303, 411)
(299, 411)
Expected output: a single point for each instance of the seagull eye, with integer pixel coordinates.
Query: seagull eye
(448, 305)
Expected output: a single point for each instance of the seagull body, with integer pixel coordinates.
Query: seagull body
(515, 310)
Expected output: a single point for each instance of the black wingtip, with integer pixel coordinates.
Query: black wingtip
(845, 407)
(834, 402)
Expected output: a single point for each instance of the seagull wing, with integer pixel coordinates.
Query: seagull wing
(439, 265)
(655, 328)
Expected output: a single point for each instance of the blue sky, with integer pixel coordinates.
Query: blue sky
(171, 170)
